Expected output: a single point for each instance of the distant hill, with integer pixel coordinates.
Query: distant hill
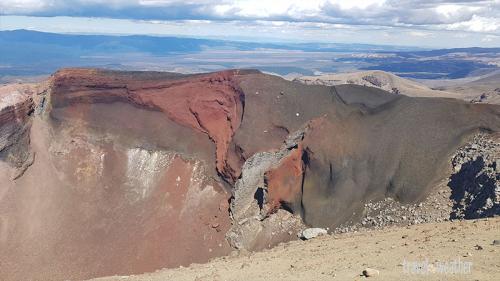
(485, 90)
(441, 52)
(31, 52)
(377, 79)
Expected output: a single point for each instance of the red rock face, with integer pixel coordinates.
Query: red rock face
(15, 107)
(16, 113)
(284, 183)
(212, 104)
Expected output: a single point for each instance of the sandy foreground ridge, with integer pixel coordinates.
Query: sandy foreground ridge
(457, 250)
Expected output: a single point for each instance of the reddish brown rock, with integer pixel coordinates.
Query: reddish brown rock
(284, 183)
(16, 105)
(210, 103)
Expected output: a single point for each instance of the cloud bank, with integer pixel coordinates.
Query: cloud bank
(425, 23)
(470, 16)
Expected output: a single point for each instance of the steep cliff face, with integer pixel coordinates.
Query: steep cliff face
(16, 107)
(211, 104)
(136, 171)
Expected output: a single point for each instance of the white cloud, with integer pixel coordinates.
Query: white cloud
(454, 11)
(266, 9)
(477, 24)
(357, 4)
(254, 30)
(490, 38)
(22, 6)
(420, 34)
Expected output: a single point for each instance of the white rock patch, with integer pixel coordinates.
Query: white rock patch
(144, 169)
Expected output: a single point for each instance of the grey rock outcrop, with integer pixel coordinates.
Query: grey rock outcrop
(250, 218)
(475, 184)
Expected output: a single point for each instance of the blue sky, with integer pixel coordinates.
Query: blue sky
(413, 23)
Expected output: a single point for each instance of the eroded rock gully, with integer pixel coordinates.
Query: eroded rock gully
(105, 172)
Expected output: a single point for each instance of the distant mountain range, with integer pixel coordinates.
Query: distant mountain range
(30, 53)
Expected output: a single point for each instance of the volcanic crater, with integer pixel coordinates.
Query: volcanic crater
(107, 172)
